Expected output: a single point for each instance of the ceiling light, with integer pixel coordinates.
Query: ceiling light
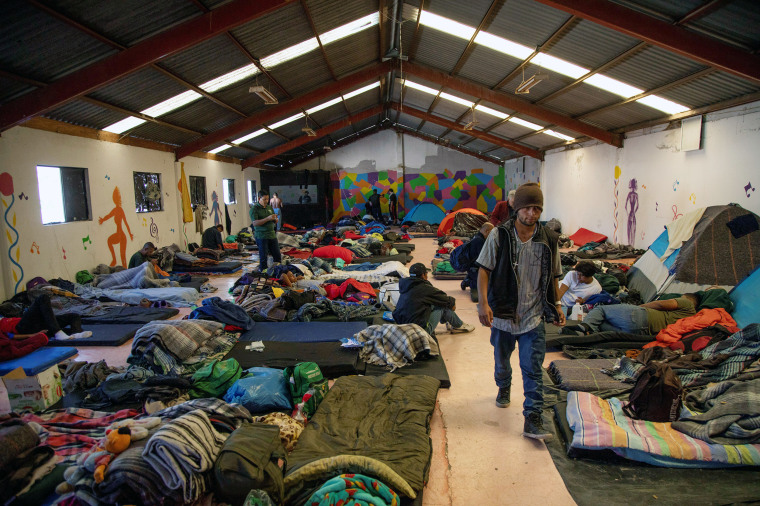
(361, 90)
(526, 124)
(492, 112)
(230, 78)
(503, 45)
(446, 25)
(351, 28)
(290, 53)
(473, 121)
(172, 103)
(286, 121)
(309, 131)
(457, 100)
(557, 65)
(220, 148)
(662, 104)
(264, 94)
(421, 87)
(529, 83)
(613, 86)
(126, 124)
(249, 136)
(558, 135)
(324, 105)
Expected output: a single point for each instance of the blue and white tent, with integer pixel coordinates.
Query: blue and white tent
(425, 211)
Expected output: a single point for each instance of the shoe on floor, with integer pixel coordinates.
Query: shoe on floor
(466, 327)
(474, 296)
(534, 427)
(464, 284)
(502, 399)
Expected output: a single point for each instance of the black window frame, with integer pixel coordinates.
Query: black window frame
(231, 193)
(197, 195)
(142, 203)
(75, 192)
(253, 193)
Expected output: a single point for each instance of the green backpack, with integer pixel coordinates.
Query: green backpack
(307, 388)
(214, 378)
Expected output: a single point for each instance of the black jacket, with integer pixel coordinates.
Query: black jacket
(416, 300)
(212, 239)
(502, 285)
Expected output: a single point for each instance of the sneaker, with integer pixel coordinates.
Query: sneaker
(464, 284)
(502, 400)
(534, 427)
(474, 296)
(466, 327)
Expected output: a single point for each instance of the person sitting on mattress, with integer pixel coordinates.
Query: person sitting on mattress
(578, 285)
(39, 317)
(212, 238)
(421, 303)
(649, 318)
(144, 255)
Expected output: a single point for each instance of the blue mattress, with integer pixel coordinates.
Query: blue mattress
(302, 332)
(221, 267)
(38, 360)
(103, 335)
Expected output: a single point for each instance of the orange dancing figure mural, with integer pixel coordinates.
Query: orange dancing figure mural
(118, 237)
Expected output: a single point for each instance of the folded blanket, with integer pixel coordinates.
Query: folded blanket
(394, 345)
(181, 338)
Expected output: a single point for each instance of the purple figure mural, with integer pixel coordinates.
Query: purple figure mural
(631, 206)
(215, 208)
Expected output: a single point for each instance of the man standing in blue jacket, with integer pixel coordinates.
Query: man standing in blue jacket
(469, 256)
(517, 286)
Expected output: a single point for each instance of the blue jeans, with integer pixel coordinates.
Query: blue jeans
(442, 315)
(268, 247)
(278, 213)
(618, 317)
(532, 348)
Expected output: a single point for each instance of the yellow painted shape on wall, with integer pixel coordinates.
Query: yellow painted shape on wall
(481, 204)
(18, 254)
(10, 239)
(14, 219)
(5, 203)
(15, 276)
(617, 172)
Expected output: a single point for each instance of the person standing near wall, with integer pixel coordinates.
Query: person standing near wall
(276, 204)
(263, 220)
(392, 205)
(517, 289)
(374, 200)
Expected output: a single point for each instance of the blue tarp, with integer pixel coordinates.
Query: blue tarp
(744, 296)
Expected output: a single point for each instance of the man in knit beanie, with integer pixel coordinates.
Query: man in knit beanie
(517, 293)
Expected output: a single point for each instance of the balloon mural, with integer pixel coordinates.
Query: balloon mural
(6, 188)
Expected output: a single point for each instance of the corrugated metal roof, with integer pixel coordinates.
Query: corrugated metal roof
(439, 49)
(590, 45)
(488, 67)
(527, 22)
(417, 99)
(239, 153)
(743, 18)
(207, 60)
(478, 145)
(668, 9)
(274, 32)
(78, 112)
(139, 90)
(239, 97)
(264, 142)
(203, 116)
(433, 129)
(580, 99)
(40, 47)
(329, 14)
(470, 13)
(652, 67)
(540, 141)
(352, 53)
(160, 133)
(303, 74)
(10, 89)
(710, 89)
(509, 130)
(363, 101)
(451, 111)
(128, 21)
(628, 114)
(555, 81)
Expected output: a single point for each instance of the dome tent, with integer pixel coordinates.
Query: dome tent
(425, 211)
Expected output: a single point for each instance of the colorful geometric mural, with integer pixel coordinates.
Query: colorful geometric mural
(449, 190)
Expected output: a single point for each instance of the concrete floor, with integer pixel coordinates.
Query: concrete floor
(479, 456)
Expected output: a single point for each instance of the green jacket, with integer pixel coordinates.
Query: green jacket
(265, 231)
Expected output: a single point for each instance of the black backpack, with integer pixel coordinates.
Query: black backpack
(656, 396)
(459, 259)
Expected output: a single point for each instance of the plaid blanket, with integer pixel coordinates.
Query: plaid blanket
(179, 337)
(142, 276)
(394, 345)
(600, 424)
(740, 351)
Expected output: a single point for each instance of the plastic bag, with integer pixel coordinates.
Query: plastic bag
(263, 391)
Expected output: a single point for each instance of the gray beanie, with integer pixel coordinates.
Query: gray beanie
(527, 195)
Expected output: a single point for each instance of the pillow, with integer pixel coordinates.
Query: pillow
(334, 252)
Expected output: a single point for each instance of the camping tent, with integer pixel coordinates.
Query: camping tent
(711, 256)
(744, 297)
(425, 211)
(448, 221)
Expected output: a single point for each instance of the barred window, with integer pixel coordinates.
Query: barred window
(148, 197)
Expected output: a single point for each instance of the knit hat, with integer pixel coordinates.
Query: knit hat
(417, 270)
(527, 195)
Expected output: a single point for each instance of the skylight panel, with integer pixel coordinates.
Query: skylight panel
(492, 112)
(286, 121)
(613, 86)
(527, 124)
(503, 45)
(230, 78)
(351, 28)
(421, 87)
(172, 103)
(558, 135)
(220, 148)
(446, 25)
(662, 104)
(361, 90)
(324, 105)
(457, 100)
(124, 125)
(557, 65)
(250, 136)
(290, 53)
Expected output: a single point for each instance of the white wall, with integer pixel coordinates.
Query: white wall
(579, 184)
(109, 165)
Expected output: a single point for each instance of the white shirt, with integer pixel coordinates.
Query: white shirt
(577, 289)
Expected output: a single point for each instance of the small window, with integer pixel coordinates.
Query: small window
(197, 190)
(253, 196)
(148, 192)
(64, 194)
(228, 187)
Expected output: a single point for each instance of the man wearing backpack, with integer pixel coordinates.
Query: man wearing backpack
(464, 259)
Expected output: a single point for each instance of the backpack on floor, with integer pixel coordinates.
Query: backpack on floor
(307, 387)
(656, 396)
(459, 259)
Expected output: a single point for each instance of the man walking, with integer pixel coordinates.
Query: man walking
(517, 287)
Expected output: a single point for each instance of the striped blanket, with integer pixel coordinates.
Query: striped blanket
(600, 424)
(142, 276)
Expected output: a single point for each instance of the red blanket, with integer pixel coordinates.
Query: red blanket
(675, 331)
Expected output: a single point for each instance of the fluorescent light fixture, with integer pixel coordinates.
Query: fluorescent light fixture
(230, 78)
(662, 104)
(421, 87)
(290, 53)
(446, 25)
(324, 105)
(309, 132)
(457, 100)
(264, 94)
(327, 149)
(250, 136)
(286, 121)
(492, 112)
(557, 65)
(613, 85)
(124, 125)
(558, 135)
(469, 125)
(526, 124)
(173, 103)
(529, 83)
(220, 148)
(351, 28)
(361, 90)
(503, 45)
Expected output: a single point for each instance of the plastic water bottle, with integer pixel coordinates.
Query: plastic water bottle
(577, 312)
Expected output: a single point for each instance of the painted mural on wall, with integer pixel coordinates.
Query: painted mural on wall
(215, 208)
(631, 206)
(6, 188)
(118, 237)
(449, 190)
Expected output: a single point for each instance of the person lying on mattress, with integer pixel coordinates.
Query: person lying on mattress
(649, 318)
(578, 285)
(39, 317)
(421, 303)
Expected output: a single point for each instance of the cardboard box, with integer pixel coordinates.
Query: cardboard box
(33, 393)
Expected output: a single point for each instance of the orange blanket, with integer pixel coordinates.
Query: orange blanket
(675, 331)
